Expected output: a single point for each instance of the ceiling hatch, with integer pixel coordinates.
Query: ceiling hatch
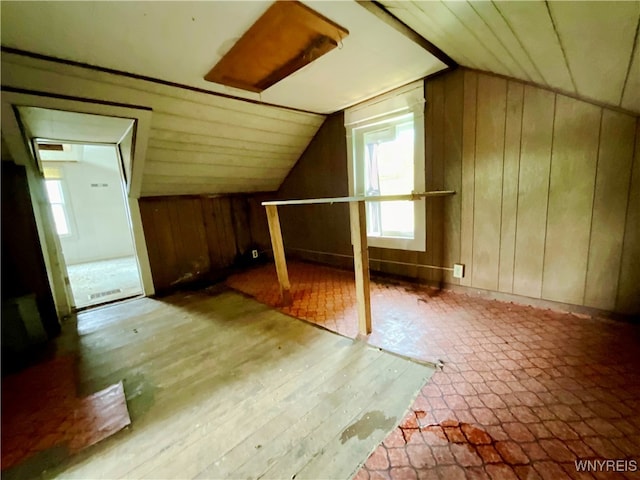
(288, 36)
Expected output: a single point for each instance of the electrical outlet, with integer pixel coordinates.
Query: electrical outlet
(254, 253)
(458, 270)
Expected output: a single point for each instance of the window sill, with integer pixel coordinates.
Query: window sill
(398, 243)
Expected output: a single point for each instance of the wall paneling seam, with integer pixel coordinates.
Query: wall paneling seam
(508, 50)
(515, 234)
(593, 204)
(546, 221)
(520, 42)
(634, 159)
(475, 153)
(564, 53)
(504, 148)
(479, 39)
(633, 51)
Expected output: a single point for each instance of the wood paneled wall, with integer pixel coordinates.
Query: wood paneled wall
(193, 239)
(548, 202)
(546, 207)
(321, 171)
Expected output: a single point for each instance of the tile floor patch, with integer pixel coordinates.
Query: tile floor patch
(523, 393)
(41, 412)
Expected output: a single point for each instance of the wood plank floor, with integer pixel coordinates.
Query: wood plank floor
(221, 386)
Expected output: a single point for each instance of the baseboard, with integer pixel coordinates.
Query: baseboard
(578, 310)
(345, 261)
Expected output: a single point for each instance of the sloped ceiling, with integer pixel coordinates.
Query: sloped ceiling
(197, 143)
(181, 41)
(201, 143)
(585, 48)
(205, 144)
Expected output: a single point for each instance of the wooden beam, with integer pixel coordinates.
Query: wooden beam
(278, 254)
(358, 220)
(361, 264)
(376, 198)
(390, 19)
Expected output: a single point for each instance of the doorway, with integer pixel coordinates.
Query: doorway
(84, 169)
(31, 115)
(86, 194)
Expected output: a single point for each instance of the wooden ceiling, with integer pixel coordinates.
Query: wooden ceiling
(198, 143)
(585, 48)
(201, 143)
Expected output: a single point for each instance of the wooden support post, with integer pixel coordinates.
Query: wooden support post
(361, 264)
(278, 254)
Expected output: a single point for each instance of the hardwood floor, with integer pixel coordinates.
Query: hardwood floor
(221, 386)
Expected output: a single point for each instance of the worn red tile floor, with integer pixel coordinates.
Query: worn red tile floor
(523, 393)
(41, 411)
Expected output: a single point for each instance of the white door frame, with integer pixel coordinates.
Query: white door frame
(20, 148)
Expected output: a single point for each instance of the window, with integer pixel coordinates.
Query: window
(58, 206)
(385, 138)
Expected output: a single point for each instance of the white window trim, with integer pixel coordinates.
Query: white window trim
(409, 98)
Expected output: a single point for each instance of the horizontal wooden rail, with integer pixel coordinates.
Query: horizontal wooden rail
(358, 223)
(377, 198)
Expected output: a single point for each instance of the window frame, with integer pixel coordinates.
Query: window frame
(365, 117)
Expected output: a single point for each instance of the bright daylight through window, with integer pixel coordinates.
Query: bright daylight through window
(56, 200)
(386, 157)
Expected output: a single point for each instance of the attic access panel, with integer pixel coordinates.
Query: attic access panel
(288, 36)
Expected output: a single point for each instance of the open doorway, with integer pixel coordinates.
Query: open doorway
(85, 189)
(28, 116)
(84, 173)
